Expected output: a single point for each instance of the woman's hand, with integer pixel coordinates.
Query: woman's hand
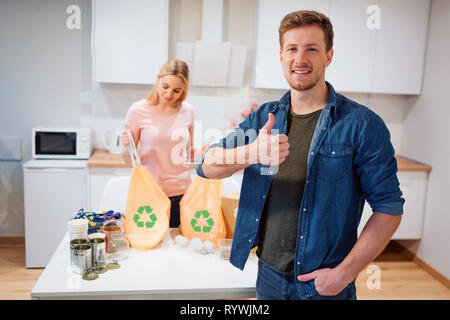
(198, 152)
(124, 139)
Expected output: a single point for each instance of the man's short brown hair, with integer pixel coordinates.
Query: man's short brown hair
(307, 18)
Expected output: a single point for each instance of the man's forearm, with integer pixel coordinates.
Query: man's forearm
(376, 234)
(220, 163)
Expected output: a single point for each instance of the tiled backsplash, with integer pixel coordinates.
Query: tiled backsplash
(216, 109)
(212, 113)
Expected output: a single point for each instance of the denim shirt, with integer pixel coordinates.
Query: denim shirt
(351, 159)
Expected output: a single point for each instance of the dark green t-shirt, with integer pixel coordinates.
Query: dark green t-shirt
(279, 220)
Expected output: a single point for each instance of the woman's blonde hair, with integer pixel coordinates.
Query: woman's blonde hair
(175, 68)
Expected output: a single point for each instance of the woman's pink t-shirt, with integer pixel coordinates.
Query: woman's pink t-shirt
(165, 144)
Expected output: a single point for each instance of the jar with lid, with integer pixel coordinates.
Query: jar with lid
(118, 246)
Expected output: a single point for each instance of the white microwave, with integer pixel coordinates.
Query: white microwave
(61, 143)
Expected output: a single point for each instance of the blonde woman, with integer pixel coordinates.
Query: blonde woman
(163, 124)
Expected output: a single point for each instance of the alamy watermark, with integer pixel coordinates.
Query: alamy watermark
(373, 22)
(374, 280)
(73, 21)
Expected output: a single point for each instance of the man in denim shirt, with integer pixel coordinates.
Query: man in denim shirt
(311, 159)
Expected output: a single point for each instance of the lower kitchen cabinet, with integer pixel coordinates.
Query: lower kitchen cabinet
(98, 179)
(413, 184)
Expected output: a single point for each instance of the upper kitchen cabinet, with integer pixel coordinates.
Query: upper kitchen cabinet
(129, 40)
(354, 46)
(379, 45)
(268, 72)
(400, 46)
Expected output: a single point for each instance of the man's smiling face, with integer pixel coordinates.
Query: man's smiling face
(304, 57)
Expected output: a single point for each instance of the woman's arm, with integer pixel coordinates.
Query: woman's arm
(125, 142)
(196, 153)
(191, 156)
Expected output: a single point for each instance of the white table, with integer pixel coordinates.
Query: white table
(166, 272)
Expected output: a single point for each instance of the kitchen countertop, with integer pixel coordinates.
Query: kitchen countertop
(102, 158)
(405, 164)
(166, 272)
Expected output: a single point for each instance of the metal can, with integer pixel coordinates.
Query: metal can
(98, 253)
(82, 258)
(73, 243)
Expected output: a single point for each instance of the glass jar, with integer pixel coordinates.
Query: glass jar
(117, 246)
(111, 229)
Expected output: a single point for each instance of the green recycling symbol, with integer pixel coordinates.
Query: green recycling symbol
(205, 215)
(148, 210)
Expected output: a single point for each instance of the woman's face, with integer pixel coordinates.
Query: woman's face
(170, 88)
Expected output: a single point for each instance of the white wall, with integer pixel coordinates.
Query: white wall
(40, 81)
(426, 138)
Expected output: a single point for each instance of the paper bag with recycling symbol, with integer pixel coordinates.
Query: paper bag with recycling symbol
(147, 212)
(201, 212)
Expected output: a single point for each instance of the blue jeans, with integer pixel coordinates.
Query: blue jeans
(272, 285)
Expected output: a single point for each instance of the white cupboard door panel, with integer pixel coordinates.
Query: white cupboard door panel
(268, 72)
(129, 40)
(413, 184)
(52, 197)
(98, 179)
(401, 46)
(354, 46)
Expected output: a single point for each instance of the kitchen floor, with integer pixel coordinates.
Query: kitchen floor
(399, 278)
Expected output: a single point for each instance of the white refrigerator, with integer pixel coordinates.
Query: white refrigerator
(54, 191)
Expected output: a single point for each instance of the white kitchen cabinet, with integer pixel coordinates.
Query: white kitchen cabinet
(385, 60)
(413, 184)
(354, 46)
(129, 40)
(401, 46)
(98, 179)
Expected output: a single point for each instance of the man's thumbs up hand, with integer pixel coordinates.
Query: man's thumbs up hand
(269, 124)
(271, 149)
